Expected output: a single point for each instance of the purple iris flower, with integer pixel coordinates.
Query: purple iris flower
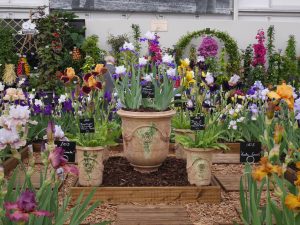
(67, 106)
(37, 109)
(48, 110)
(251, 91)
(107, 96)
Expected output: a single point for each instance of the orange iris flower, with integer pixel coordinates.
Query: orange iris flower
(266, 169)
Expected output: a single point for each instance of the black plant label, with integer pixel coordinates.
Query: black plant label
(148, 91)
(250, 152)
(87, 125)
(197, 123)
(69, 149)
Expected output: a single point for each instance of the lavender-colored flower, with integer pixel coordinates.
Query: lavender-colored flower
(23, 207)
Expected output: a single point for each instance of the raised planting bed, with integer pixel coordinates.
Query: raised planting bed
(230, 156)
(122, 184)
(11, 163)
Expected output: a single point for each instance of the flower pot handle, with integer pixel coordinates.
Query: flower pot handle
(163, 137)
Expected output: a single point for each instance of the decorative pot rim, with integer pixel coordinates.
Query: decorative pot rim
(82, 148)
(184, 130)
(146, 115)
(201, 149)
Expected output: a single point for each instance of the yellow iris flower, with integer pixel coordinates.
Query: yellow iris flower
(283, 92)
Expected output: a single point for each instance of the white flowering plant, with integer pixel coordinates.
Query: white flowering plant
(13, 132)
(154, 74)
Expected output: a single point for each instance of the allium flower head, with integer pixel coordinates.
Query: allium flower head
(208, 47)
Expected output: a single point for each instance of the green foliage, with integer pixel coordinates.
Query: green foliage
(273, 70)
(47, 199)
(90, 48)
(207, 138)
(254, 212)
(229, 44)
(130, 95)
(181, 120)
(116, 42)
(7, 49)
(258, 73)
(53, 39)
(247, 60)
(136, 37)
(290, 64)
(250, 197)
(101, 137)
(38, 131)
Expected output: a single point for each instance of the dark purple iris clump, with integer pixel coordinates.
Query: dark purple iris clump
(67, 106)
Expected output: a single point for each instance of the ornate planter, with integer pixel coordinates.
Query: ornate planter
(199, 165)
(90, 164)
(179, 149)
(146, 137)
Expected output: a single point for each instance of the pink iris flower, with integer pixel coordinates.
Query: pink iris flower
(20, 210)
(58, 160)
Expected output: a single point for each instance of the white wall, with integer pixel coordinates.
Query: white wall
(243, 31)
(247, 18)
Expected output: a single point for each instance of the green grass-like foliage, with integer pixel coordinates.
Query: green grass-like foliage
(207, 138)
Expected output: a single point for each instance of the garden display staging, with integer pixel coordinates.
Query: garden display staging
(139, 128)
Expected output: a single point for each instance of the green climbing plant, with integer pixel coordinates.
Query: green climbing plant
(229, 44)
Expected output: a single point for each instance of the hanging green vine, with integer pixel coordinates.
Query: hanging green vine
(229, 44)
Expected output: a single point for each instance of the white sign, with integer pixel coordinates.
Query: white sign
(159, 25)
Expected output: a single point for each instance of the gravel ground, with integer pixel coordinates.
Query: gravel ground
(200, 214)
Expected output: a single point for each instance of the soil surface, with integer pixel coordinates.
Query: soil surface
(118, 172)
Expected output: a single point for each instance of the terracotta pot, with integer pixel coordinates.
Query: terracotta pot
(179, 149)
(146, 137)
(199, 165)
(90, 164)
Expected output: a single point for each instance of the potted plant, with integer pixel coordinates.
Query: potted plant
(199, 151)
(181, 125)
(92, 134)
(145, 88)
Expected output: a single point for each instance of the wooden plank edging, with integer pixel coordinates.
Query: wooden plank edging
(204, 194)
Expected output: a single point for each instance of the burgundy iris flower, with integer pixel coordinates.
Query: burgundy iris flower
(20, 210)
(90, 83)
(58, 160)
